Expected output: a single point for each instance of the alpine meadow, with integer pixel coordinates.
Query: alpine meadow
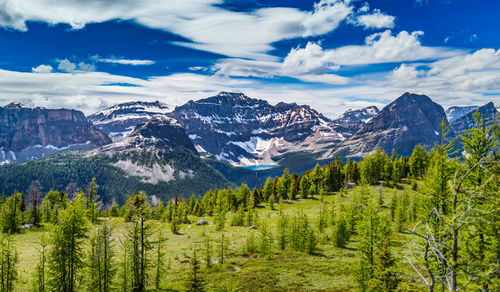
(254, 145)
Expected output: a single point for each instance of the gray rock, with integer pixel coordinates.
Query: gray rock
(253, 227)
(202, 222)
(27, 226)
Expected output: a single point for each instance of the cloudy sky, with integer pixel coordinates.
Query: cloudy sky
(331, 54)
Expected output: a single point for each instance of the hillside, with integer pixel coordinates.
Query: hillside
(163, 173)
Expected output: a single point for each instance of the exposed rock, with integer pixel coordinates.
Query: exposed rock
(241, 130)
(120, 120)
(352, 120)
(27, 133)
(466, 122)
(410, 120)
(202, 222)
(456, 112)
(156, 134)
(253, 227)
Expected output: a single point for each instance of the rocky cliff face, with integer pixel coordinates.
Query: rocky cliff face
(159, 133)
(352, 120)
(241, 130)
(465, 122)
(120, 120)
(455, 112)
(410, 120)
(28, 133)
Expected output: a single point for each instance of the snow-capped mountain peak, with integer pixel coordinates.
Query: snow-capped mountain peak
(455, 112)
(120, 120)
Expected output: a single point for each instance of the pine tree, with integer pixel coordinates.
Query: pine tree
(34, 195)
(304, 186)
(92, 200)
(385, 279)
(101, 268)
(270, 203)
(160, 257)
(418, 162)
(194, 281)
(8, 264)
(282, 231)
(40, 276)
(10, 215)
(66, 257)
(140, 243)
(265, 240)
(208, 252)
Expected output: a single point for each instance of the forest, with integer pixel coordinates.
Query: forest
(426, 222)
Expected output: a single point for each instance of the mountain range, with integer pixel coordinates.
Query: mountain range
(150, 143)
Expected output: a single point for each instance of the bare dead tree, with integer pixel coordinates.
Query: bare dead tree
(437, 241)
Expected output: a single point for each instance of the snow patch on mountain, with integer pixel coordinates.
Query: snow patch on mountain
(455, 112)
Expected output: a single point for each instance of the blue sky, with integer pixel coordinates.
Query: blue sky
(331, 54)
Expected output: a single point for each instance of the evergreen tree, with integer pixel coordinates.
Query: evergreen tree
(140, 244)
(66, 257)
(194, 282)
(208, 252)
(10, 215)
(34, 195)
(8, 264)
(101, 266)
(385, 278)
(92, 201)
(160, 257)
(304, 186)
(40, 276)
(418, 162)
(282, 231)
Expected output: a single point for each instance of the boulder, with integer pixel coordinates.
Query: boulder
(202, 222)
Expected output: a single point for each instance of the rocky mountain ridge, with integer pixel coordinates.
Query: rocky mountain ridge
(30, 133)
(241, 130)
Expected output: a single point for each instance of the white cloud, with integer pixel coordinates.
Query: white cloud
(376, 20)
(480, 60)
(42, 69)
(404, 72)
(66, 65)
(208, 26)
(311, 59)
(86, 67)
(380, 47)
(125, 61)
(299, 66)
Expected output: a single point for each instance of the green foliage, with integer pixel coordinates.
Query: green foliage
(67, 247)
(10, 215)
(40, 275)
(101, 268)
(59, 170)
(194, 281)
(418, 162)
(8, 264)
(92, 197)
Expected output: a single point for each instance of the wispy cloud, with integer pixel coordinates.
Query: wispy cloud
(121, 61)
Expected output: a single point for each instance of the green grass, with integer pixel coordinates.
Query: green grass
(330, 269)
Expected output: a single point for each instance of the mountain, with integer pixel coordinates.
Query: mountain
(155, 134)
(235, 128)
(410, 120)
(352, 120)
(29, 133)
(455, 112)
(120, 120)
(465, 122)
(157, 157)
